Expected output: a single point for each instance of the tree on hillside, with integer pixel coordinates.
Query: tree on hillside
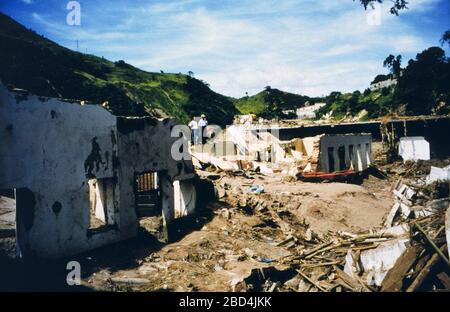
(274, 103)
(353, 104)
(380, 77)
(425, 84)
(397, 5)
(394, 64)
(445, 38)
(333, 97)
(190, 73)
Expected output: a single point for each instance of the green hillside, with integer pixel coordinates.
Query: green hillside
(270, 102)
(374, 103)
(423, 88)
(34, 63)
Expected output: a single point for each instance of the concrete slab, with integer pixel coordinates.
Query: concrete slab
(414, 148)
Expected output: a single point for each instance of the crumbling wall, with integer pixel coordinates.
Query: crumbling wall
(433, 128)
(53, 152)
(49, 148)
(145, 146)
(342, 152)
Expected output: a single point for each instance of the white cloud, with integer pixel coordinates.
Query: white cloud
(420, 5)
(344, 49)
(168, 6)
(308, 47)
(406, 44)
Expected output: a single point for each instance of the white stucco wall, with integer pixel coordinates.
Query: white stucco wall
(414, 148)
(44, 146)
(52, 148)
(145, 145)
(362, 151)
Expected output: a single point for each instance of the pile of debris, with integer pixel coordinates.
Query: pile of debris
(414, 201)
(424, 265)
(417, 169)
(319, 157)
(412, 252)
(386, 260)
(409, 253)
(266, 234)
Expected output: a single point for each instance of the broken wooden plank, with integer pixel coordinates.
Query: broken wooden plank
(361, 248)
(396, 185)
(309, 252)
(311, 281)
(417, 283)
(366, 287)
(343, 284)
(289, 239)
(130, 280)
(273, 287)
(315, 265)
(444, 279)
(322, 250)
(439, 251)
(394, 278)
(424, 257)
(346, 278)
(391, 216)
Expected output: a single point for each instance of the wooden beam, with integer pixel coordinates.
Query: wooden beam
(418, 282)
(393, 281)
(445, 280)
(311, 281)
(439, 251)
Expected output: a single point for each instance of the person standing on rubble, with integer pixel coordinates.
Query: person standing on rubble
(202, 124)
(194, 129)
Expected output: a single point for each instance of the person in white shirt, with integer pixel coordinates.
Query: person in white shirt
(202, 123)
(194, 128)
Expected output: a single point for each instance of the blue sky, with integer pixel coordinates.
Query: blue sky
(237, 46)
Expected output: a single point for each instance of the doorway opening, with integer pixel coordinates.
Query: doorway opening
(101, 202)
(8, 240)
(148, 203)
(341, 155)
(331, 159)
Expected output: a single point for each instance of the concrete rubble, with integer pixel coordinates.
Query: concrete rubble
(244, 148)
(438, 174)
(414, 148)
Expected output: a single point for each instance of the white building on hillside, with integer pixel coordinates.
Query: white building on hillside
(383, 84)
(309, 111)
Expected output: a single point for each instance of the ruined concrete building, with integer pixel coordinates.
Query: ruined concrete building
(82, 177)
(345, 151)
(262, 148)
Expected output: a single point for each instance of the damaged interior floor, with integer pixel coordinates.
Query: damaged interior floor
(292, 236)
